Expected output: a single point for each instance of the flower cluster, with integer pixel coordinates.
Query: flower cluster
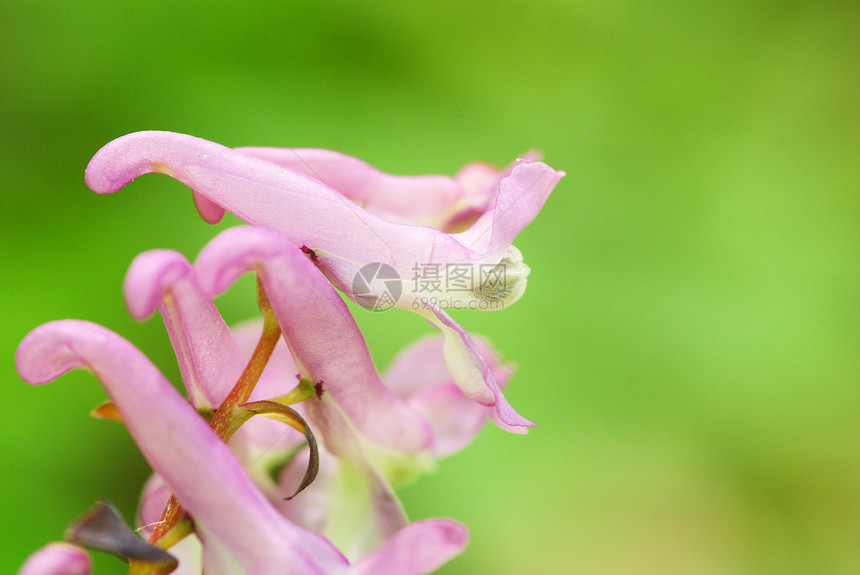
(225, 494)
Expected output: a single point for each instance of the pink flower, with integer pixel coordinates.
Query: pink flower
(316, 324)
(319, 217)
(346, 215)
(374, 431)
(240, 531)
(57, 559)
(347, 212)
(354, 409)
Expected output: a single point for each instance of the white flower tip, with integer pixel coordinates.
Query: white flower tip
(505, 283)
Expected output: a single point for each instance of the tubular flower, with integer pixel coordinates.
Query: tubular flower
(210, 360)
(240, 531)
(345, 212)
(351, 503)
(383, 240)
(353, 410)
(318, 329)
(221, 498)
(321, 335)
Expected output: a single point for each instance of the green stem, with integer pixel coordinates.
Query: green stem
(229, 417)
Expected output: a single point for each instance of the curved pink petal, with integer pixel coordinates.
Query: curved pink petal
(320, 332)
(419, 375)
(343, 236)
(434, 201)
(418, 367)
(209, 358)
(479, 181)
(422, 200)
(521, 196)
(230, 513)
(57, 559)
(471, 372)
(418, 548)
(421, 366)
(210, 211)
(456, 418)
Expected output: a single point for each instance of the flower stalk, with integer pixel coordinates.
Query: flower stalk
(229, 416)
(174, 524)
(376, 431)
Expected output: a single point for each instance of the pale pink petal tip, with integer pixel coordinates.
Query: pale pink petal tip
(232, 253)
(211, 212)
(44, 355)
(420, 547)
(148, 278)
(419, 374)
(120, 161)
(471, 371)
(57, 559)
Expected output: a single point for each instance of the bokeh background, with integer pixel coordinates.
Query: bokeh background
(688, 343)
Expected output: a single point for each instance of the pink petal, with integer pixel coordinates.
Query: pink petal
(456, 419)
(57, 559)
(230, 513)
(521, 196)
(417, 367)
(419, 375)
(480, 181)
(422, 200)
(343, 235)
(319, 330)
(470, 370)
(420, 547)
(211, 212)
(363, 511)
(209, 358)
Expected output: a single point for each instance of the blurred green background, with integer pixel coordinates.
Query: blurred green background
(688, 343)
